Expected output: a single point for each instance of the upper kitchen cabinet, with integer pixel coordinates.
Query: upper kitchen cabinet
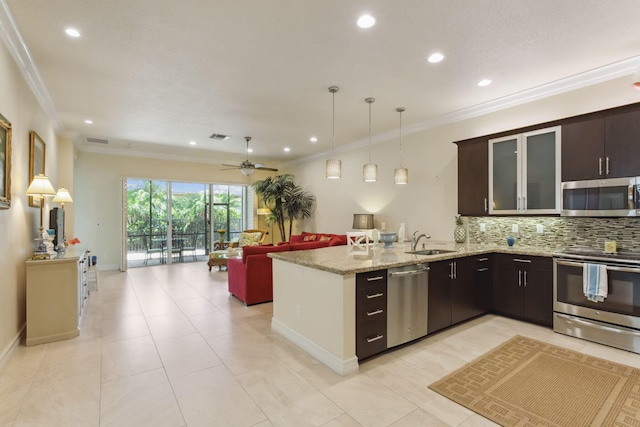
(601, 147)
(473, 177)
(524, 173)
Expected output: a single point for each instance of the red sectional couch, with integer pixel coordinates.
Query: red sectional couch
(251, 278)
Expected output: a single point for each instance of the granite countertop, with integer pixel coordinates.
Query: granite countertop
(338, 259)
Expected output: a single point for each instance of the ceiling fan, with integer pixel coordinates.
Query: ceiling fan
(247, 167)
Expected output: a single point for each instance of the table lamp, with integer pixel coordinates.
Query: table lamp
(39, 188)
(62, 197)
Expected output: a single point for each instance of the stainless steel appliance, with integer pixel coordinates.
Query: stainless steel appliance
(616, 320)
(407, 303)
(601, 197)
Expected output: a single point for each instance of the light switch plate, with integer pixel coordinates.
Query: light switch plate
(483, 227)
(539, 228)
(514, 228)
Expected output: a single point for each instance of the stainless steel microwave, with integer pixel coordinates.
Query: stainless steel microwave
(601, 197)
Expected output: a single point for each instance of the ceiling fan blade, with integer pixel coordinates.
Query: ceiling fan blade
(263, 168)
(232, 166)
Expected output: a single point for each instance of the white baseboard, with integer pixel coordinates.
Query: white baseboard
(341, 366)
(6, 353)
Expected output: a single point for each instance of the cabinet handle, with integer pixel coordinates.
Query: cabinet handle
(486, 205)
(599, 165)
(607, 166)
(482, 259)
(376, 338)
(519, 277)
(455, 270)
(518, 204)
(373, 313)
(451, 270)
(379, 294)
(525, 278)
(524, 204)
(483, 269)
(373, 279)
(521, 260)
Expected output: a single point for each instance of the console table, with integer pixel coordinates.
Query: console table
(56, 294)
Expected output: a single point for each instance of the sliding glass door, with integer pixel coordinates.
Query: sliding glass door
(169, 222)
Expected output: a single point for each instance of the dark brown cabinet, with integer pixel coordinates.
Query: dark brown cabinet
(459, 289)
(371, 313)
(473, 177)
(523, 288)
(601, 147)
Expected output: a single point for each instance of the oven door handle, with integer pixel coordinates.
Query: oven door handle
(609, 267)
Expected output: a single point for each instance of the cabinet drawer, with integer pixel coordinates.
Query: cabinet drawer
(526, 261)
(371, 277)
(371, 337)
(369, 293)
(372, 311)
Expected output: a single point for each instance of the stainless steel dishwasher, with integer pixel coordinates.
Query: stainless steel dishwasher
(407, 303)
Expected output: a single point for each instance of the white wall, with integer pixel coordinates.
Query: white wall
(18, 225)
(429, 202)
(98, 201)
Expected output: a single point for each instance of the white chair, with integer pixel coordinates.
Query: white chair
(357, 241)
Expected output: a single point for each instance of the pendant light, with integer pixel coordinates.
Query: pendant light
(370, 170)
(334, 166)
(401, 175)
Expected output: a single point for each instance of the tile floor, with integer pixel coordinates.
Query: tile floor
(168, 346)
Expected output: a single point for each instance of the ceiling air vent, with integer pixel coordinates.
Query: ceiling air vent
(219, 137)
(97, 140)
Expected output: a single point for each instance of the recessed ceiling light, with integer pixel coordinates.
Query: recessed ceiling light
(435, 57)
(485, 82)
(192, 143)
(72, 32)
(366, 21)
(287, 149)
(89, 122)
(313, 139)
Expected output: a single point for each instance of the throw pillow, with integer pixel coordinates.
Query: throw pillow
(323, 238)
(249, 239)
(309, 238)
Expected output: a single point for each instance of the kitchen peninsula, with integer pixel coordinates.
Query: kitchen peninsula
(315, 296)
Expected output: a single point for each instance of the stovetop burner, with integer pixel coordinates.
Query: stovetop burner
(629, 256)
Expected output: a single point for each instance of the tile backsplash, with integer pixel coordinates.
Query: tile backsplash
(558, 232)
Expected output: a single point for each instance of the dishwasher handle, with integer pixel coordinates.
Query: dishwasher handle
(408, 272)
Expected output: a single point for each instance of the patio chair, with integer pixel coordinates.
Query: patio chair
(190, 246)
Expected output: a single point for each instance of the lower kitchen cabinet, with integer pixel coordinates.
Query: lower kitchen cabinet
(459, 289)
(523, 288)
(371, 313)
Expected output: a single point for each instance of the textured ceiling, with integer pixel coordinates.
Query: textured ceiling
(156, 74)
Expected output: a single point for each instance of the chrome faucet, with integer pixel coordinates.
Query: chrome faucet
(414, 240)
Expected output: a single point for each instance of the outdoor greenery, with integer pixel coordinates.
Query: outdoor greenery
(288, 201)
(147, 216)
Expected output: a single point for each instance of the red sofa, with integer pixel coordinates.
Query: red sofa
(251, 278)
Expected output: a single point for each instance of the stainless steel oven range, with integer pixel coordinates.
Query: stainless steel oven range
(616, 320)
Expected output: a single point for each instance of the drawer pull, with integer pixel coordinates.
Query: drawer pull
(483, 269)
(376, 338)
(483, 259)
(379, 294)
(521, 260)
(373, 279)
(373, 313)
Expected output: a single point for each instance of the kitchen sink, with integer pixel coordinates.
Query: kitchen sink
(430, 252)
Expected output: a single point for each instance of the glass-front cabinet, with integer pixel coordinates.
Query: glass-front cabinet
(524, 173)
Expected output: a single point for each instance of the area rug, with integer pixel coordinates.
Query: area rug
(525, 382)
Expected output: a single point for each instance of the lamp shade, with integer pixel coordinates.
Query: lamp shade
(362, 221)
(401, 176)
(334, 169)
(247, 171)
(63, 196)
(264, 211)
(370, 172)
(40, 186)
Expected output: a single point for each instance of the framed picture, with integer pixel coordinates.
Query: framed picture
(37, 152)
(5, 163)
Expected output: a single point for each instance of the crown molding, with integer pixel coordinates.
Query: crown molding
(17, 47)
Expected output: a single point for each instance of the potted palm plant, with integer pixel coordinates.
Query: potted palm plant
(287, 201)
